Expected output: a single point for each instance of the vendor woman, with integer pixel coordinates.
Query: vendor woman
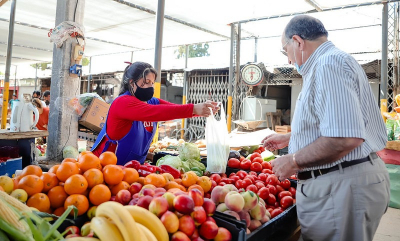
(132, 118)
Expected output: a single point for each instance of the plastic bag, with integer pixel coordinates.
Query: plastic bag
(64, 31)
(217, 140)
(80, 103)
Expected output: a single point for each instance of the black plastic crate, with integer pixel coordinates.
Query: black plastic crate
(235, 227)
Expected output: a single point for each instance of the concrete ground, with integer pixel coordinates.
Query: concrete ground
(388, 229)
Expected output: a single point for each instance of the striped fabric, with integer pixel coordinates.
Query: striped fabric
(336, 101)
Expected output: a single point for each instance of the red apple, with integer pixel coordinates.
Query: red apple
(158, 206)
(112, 198)
(159, 190)
(170, 199)
(144, 201)
(199, 215)
(209, 206)
(73, 230)
(136, 195)
(123, 197)
(195, 234)
(223, 235)
(197, 197)
(180, 236)
(198, 239)
(135, 188)
(186, 225)
(158, 194)
(133, 201)
(170, 221)
(183, 204)
(147, 192)
(210, 219)
(208, 230)
(213, 184)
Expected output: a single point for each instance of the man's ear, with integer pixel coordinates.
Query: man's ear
(298, 40)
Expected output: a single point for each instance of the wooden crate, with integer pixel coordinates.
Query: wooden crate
(393, 145)
(282, 129)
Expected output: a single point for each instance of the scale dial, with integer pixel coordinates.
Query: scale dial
(252, 74)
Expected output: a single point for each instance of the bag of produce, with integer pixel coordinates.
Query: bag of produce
(217, 143)
(390, 129)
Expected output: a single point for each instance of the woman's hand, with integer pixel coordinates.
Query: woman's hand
(202, 109)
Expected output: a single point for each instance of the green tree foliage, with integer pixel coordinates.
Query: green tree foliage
(41, 66)
(85, 62)
(195, 50)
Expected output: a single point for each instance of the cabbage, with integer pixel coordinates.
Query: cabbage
(189, 151)
(70, 152)
(267, 156)
(194, 163)
(169, 160)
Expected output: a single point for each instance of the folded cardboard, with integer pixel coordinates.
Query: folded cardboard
(95, 115)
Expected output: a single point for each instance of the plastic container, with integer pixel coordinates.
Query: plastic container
(235, 227)
(10, 166)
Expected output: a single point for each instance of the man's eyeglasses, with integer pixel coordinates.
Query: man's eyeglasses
(282, 50)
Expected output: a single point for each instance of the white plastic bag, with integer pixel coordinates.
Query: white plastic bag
(217, 140)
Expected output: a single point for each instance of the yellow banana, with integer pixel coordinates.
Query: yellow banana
(105, 229)
(149, 220)
(146, 232)
(125, 222)
(81, 239)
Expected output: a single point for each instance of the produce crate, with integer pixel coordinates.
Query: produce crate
(10, 166)
(235, 227)
(393, 145)
(282, 129)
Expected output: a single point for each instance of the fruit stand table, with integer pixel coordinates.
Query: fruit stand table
(25, 142)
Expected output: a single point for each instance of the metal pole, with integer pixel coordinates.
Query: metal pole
(131, 56)
(158, 47)
(384, 62)
(237, 66)
(15, 80)
(36, 77)
(231, 71)
(185, 90)
(255, 49)
(90, 75)
(8, 65)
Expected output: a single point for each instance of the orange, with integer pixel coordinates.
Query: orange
(140, 180)
(73, 160)
(32, 184)
(89, 161)
(120, 186)
(79, 201)
(155, 179)
(94, 177)
(49, 181)
(113, 174)
(16, 181)
(99, 194)
(57, 196)
(84, 153)
(205, 183)
(65, 170)
(171, 185)
(198, 187)
(189, 178)
(39, 201)
(59, 211)
(31, 170)
(86, 192)
(168, 177)
(130, 175)
(179, 181)
(75, 184)
(108, 158)
(54, 169)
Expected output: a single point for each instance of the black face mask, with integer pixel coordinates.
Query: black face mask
(143, 94)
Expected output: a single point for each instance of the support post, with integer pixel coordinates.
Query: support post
(255, 49)
(384, 62)
(231, 71)
(36, 76)
(15, 80)
(90, 75)
(185, 90)
(8, 65)
(63, 123)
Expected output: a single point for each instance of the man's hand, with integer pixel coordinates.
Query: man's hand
(284, 167)
(202, 109)
(276, 141)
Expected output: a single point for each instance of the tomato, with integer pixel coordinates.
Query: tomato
(261, 148)
(256, 167)
(245, 164)
(267, 171)
(247, 182)
(272, 189)
(223, 175)
(252, 173)
(270, 210)
(252, 178)
(259, 185)
(258, 159)
(263, 193)
(257, 151)
(241, 158)
(252, 188)
(227, 180)
(262, 177)
(266, 165)
(241, 190)
(213, 184)
(285, 184)
(234, 178)
(254, 155)
(239, 184)
(276, 212)
(292, 190)
(272, 179)
(277, 205)
(241, 174)
(234, 163)
(293, 177)
(221, 184)
(284, 194)
(216, 178)
(232, 174)
(279, 188)
(271, 199)
(286, 202)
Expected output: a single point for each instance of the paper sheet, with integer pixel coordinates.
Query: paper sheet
(238, 139)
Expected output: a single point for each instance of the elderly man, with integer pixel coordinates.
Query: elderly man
(343, 188)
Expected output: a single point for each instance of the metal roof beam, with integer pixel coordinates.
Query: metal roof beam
(314, 4)
(15, 57)
(132, 5)
(28, 47)
(314, 11)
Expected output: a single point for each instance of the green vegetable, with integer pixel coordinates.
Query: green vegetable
(70, 152)
(267, 156)
(193, 163)
(3, 236)
(253, 148)
(199, 174)
(172, 161)
(189, 151)
(196, 169)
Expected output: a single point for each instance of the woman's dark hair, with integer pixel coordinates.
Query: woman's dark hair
(135, 72)
(37, 92)
(46, 93)
(36, 102)
(307, 27)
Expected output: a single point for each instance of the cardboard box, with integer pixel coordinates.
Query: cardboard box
(95, 115)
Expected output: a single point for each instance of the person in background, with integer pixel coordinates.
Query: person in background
(43, 114)
(132, 118)
(343, 186)
(11, 102)
(37, 94)
(46, 97)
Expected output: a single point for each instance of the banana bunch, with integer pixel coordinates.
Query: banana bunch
(116, 222)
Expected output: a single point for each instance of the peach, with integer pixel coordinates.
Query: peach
(234, 201)
(250, 200)
(197, 197)
(209, 206)
(248, 231)
(180, 236)
(244, 215)
(160, 190)
(183, 204)
(208, 230)
(170, 199)
(265, 218)
(223, 235)
(231, 187)
(195, 234)
(218, 194)
(136, 195)
(170, 221)
(158, 206)
(222, 207)
(258, 212)
(133, 201)
(147, 192)
(158, 194)
(186, 225)
(199, 215)
(211, 219)
(151, 186)
(144, 201)
(135, 188)
(233, 214)
(254, 224)
(123, 197)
